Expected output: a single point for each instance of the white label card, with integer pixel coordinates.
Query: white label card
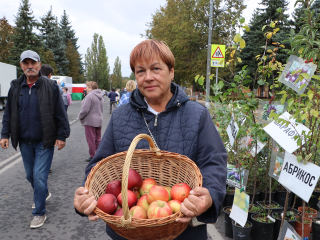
(298, 177)
(240, 207)
(260, 145)
(232, 130)
(284, 135)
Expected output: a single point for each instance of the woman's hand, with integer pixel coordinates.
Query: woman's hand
(85, 203)
(197, 203)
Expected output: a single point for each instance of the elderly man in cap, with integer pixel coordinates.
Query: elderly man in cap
(36, 120)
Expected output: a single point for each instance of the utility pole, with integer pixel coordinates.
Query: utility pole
(110, 81)
(209, 56)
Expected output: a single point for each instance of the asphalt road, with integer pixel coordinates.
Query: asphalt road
(68, 167)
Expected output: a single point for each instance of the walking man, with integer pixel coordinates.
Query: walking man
(91, 117)
(112, 95)
(35, 119)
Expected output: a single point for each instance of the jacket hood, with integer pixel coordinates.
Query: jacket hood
(179, 97)
(96, 92)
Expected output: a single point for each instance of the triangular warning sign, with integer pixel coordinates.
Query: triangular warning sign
(217, 53)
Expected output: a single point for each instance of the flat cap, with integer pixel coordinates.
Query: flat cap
(30, 54)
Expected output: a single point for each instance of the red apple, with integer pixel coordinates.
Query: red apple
(180, 191)
(136, 192)
(134, 179)
(119, 212)
(157, 193)
(138, 212)
(132, 198)
(107, 203)
(146, 185)
(175, 205)
(114, 188)
(159, 209)
(169, 191)
(143, 202)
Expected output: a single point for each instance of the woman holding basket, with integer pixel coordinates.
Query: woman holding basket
(161, 109)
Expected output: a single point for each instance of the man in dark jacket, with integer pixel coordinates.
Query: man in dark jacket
(36, 120)
(112, 95)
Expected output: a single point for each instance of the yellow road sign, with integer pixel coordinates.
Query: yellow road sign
(217, 55)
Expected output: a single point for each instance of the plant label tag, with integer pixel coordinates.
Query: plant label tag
(235, 177)
(284, 135)
(232, 130)
(240, 207)
(260, 145)
(288, 233)
(298, 177)
(271, 218)
(265, 108)
(291, 74)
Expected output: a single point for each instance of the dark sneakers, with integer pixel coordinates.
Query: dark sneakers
(89, 159)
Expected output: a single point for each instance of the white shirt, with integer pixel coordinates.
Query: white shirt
(150, 109)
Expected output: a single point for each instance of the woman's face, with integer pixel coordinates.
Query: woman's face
(154, 79)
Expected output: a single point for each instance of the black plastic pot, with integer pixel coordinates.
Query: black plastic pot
(260, 203)
(227, 223)
(241, 233)
(296, 212)
(316, 230)
(263, 194)
(228, 200)
(256, 197)
(314, 200)
(280, 197)
(277, 225)
(261, 231)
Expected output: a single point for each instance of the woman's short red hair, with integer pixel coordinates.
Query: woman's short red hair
(148, 49)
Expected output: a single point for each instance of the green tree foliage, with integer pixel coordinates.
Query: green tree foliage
(259, 26)
(69, 34)
(47, 57)
(297, 14)
(316, 7)
(73, 65)
(24, 38)
(6, 31)
(184, 25)
(132, 76)
(97, 64)
(53, 40)
(46, 27)
(117, 74)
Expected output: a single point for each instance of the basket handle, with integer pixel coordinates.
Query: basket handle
(126, 218)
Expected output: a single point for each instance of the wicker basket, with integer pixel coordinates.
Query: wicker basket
(166, 168)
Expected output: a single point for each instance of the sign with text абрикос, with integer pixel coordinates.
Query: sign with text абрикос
(284, 135)
(217, 55)
(298, 177)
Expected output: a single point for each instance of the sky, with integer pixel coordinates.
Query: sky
(119, 22)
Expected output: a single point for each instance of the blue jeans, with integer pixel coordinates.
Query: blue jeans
(37, 162)
(66, 107)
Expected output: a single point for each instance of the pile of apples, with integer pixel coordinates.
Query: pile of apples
(146, 199)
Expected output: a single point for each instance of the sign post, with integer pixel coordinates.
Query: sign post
(217, 54)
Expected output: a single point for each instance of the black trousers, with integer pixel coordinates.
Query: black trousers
(112, 103)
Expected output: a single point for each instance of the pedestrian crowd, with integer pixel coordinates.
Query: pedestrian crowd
(35, 118)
